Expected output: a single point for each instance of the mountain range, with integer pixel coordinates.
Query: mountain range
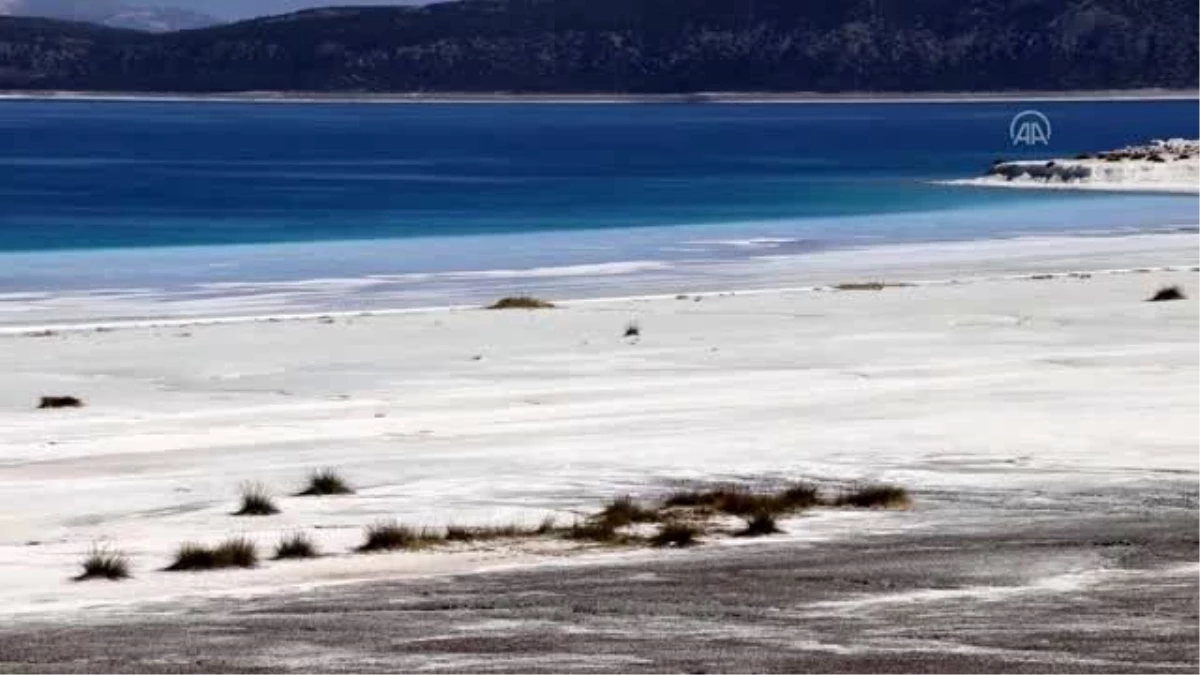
(631, 46)
(112, 13)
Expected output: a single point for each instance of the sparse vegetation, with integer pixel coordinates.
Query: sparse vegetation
(677, 535)
(104, 563)
(489, 532)
(236, 552)
(256, 501)
(51, 402)
(521, 302)
(798, 496)
(739, 501)
(869, 286)
(592, 530)
(624, 511)
(761, 525)
(875, 497)
(1168, 293)
(390, 536)
(298, 545)
(324, 482)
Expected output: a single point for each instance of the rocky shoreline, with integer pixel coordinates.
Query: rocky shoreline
(1159, 166)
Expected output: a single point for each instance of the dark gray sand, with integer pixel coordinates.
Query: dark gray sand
(1035, 592)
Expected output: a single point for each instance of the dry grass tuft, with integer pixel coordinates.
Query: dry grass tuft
(761, 525)
(325, 482)
(256, 501)
(104, 563)
(1167, 294)
(390, 536)
(298, 545)
(731, 500)
(461, 533)
(869, 286)
(521, 302)
(624, 511)
(236, 552)
(677, 535)
(798, 496)
(593, 530)
(739, 501)
(52, 402)
(875, 497)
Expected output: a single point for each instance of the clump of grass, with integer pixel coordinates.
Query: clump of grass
(592, 530)
(51, 402)
(490, 532)
(738, 501)
(624, 511)
(731, 500)
(632, 329)
(104, 563)
(256, 501)
(548, 525)
(325, 482)
(487, 532)
(521, 302)
(1168, 293)
(869, 286)
(677, 535)
(875, 497)
(236, 552)
(298, 545)
(391, 536)
(761, 525)
(798, 496)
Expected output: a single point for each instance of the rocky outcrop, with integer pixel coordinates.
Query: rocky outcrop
(1159, 166)
(1044, 171)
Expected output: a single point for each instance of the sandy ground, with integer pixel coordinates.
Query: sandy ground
(1000, 399)
(1073, 589)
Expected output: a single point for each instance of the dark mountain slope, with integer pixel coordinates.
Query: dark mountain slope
(635, 46)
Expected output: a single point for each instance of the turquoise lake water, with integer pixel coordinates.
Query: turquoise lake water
(117, 194)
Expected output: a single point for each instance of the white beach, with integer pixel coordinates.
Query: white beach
(979, 380)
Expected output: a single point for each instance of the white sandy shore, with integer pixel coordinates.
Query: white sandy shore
(999, 382)
(1165, 186)
(930, 263)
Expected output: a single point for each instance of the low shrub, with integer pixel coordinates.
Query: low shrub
(1168, 293)
(624, 511)
(875, 497)
(236, 552)
(761, 525)
(391, 536)
(256, 501)
(521, 302)
(104, 563)
(677, 535)
(325, 482)
(298, 545)
(51, 402)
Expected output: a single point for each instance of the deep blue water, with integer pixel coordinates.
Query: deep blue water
(84, 175)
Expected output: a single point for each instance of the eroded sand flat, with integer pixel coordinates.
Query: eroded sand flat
(989, 398)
